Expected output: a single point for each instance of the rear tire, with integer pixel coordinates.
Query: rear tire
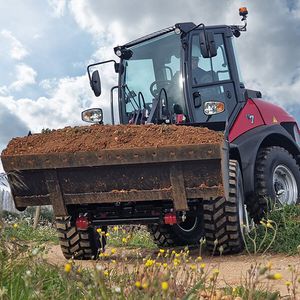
(77, 244)
(277, 179)
(183, 234)
(224, 218)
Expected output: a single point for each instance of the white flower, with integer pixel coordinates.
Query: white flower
(35, 251)
(99, 267)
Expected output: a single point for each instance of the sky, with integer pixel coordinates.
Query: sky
(45, 46)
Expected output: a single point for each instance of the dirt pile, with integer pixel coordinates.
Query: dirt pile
(97, 137)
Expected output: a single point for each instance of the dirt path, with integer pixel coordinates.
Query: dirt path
(232, 268)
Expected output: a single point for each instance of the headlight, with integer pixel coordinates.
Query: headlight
(92, 115)
(213, 107)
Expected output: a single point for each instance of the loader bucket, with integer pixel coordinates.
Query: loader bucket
(176, 173)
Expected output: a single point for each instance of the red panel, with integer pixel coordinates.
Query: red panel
(248, 118)
(272, 113)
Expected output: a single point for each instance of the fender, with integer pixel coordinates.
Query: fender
(249, 143)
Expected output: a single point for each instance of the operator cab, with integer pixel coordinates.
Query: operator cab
(185, 74)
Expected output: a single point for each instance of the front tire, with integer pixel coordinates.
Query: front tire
(277, 180)
(224, 219)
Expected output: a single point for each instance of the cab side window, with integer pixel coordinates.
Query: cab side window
(208, 70)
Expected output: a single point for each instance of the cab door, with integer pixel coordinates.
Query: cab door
(212, 81)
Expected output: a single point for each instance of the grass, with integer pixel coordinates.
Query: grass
(278, 233)
(24, 232)
(132, 237)
(19, 227)
(26, 274)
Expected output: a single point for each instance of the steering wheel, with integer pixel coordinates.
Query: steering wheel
(155, 91)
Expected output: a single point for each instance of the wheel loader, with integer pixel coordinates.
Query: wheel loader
(185, 76)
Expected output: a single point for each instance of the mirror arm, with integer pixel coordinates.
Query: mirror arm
(96, 64)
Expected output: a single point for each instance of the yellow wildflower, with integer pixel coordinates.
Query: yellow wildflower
(114, 261)
(107, 234)
(161, 251)
(275, 276)
(124, 240)
(193, 267)
(103, 254)
(15, 225)
(99, 230)
(105, 273)
(199, 258)
(113, 250)
(288, 283)
(145, 285)
(164, 285)
(115, 228)
(176, 262)
(202, 266)
(263, 223)
(216, 272)
(138, 284)
(149, 263)
(68, 267)
(165, 265)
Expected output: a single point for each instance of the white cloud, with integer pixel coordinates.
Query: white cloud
(269, 52)
(4, 90)
(63, 108)
(58, 7)
(17, 50)
(25, 75)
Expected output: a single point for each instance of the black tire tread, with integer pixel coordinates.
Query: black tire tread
(259, 206)
(77, 244)
(163, 237)
(221, 221)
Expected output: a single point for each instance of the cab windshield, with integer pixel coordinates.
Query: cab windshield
(154, 65)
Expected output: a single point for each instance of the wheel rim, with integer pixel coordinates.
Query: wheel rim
(189, 224)
(284, 185)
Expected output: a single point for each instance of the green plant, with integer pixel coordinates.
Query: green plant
(130, 236)
(23, 231)
(278, 233)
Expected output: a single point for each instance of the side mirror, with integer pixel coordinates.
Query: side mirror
(92, 115)
(207, 44)
(96, 83)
